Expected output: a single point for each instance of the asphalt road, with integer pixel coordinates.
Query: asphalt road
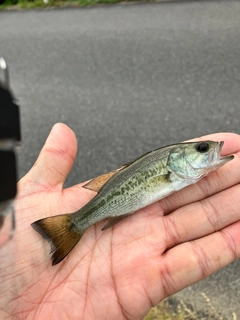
(128, 79)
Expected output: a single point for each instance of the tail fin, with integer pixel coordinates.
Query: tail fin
(60, 232)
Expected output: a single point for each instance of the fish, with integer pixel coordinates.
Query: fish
(135, 185)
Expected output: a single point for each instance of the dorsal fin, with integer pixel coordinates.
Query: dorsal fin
(96, 183)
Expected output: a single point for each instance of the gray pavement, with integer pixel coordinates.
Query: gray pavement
(128, 79)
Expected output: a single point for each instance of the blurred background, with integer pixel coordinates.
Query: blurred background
(128, 79)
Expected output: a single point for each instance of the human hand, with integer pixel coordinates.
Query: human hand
(122, 272)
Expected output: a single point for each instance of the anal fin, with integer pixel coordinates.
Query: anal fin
(114, 220)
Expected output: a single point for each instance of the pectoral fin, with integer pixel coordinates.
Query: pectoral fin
(114, 220)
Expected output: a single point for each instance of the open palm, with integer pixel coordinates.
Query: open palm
(122, 272)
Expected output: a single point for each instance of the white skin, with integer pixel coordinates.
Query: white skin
(156, 252)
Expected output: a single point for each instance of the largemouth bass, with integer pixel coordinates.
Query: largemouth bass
(148, 179)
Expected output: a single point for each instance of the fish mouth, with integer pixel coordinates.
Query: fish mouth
(214, 156)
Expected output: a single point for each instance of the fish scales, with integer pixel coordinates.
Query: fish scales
(125, 188)
(149, 178)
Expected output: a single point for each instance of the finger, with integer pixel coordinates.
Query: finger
(190, 262)
(202, 218)
(55, 159)
(221, 179)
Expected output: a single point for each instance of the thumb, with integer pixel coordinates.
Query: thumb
(55, 159)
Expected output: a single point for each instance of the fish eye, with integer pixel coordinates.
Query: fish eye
(202, 147)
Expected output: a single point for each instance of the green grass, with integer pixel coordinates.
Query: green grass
(163, 311)
(8, 4)
(175, 309)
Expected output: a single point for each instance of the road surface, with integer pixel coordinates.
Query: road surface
(128, 79)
